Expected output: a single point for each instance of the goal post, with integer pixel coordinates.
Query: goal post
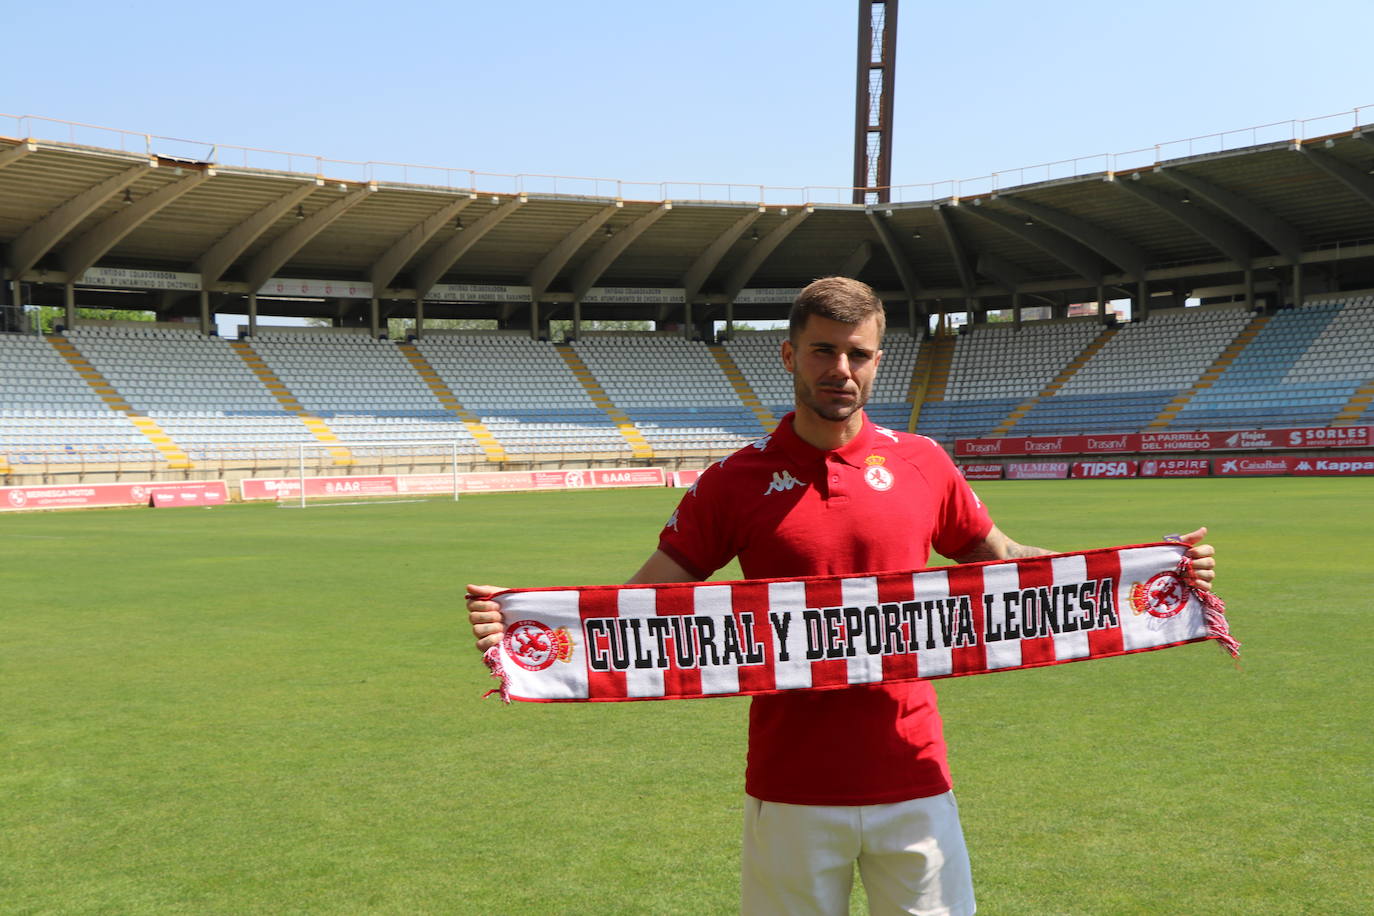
(314, 459)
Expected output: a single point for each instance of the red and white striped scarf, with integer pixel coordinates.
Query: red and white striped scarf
(655, 642)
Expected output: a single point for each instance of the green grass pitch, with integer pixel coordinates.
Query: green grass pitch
(252, 709)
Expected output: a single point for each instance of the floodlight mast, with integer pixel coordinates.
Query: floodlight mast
(873, 94)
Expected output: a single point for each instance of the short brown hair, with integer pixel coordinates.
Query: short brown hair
(840, 299)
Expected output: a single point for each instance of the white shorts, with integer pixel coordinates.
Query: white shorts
(799, 859)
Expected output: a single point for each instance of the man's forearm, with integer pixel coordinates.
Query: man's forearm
(997, 546)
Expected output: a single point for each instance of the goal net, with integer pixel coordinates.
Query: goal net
(373, 470)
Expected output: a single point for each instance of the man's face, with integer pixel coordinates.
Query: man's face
(833, 365)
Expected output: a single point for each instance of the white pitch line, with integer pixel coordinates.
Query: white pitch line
(370, 502)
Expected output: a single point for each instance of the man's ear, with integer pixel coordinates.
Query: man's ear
(787, 354)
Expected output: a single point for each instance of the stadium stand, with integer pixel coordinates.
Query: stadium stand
(195, 388)
(363, 389)
(889, 404)
(756, 355)
(48, 413)
(614, 396)
(995, 368)
(523, 392)
(672, 390)
(1302, 369)
(1136, 373)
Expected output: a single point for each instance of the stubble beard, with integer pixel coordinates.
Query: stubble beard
(835, 414)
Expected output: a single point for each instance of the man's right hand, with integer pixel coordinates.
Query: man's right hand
(485, 616)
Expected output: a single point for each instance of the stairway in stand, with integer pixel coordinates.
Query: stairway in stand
(742, 388)
(318, 428)
(1228, 356)
(1068, 372)
(171, 453)
(929, 376)
(483, 436)
(632, 436)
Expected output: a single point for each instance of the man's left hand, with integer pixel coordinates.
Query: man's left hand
(1204, 559)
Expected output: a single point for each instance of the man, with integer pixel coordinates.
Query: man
(858, 773)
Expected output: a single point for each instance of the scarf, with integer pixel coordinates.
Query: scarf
(680, 640)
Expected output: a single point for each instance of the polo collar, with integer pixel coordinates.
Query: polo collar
(798, 449)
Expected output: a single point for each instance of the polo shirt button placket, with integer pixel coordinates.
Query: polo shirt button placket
(838, 496)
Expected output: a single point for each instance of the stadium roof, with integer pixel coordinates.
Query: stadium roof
(102, 218)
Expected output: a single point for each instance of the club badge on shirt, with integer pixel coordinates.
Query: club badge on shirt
(875, 475)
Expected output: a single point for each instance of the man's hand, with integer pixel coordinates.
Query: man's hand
(485, 616)
(1203, 557)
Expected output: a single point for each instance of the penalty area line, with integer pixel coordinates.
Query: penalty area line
(367, 502)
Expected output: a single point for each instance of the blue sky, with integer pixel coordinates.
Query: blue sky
(758, 93)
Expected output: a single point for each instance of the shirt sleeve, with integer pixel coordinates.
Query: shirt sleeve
(964, 520)
(699, 535)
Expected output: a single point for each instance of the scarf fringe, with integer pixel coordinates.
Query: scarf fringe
(492, 657)
(1213, 612)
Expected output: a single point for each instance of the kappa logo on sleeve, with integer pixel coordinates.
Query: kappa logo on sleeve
(783, 480)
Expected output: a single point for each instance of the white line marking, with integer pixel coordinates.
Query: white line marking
(370, 502)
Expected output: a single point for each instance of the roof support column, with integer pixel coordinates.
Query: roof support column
(69, 305)
(419, 317)
(252, 313)
(374, 317)
(1140, 310)
(205, 313)
(1016, 309)
(1101, 302)
(1250, 288)
(17, 300)
(911, 320)
(730, 318)
(687, 319)
(534, 318)
(577, 319)
(1297, 284)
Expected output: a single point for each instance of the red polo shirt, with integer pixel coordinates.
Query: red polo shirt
(788, 509)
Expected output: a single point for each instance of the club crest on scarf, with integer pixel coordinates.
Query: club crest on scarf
(1162, 595)
(534, 646)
